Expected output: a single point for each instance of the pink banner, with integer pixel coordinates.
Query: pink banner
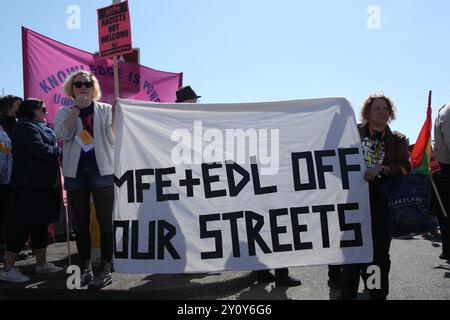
(47, 63)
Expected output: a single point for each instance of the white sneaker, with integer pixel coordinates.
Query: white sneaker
(48, 268)
(13, 275)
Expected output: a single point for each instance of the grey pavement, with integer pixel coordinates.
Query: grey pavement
(417, 273)
(124, 286)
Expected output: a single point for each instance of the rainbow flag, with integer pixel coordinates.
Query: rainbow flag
(421, 152)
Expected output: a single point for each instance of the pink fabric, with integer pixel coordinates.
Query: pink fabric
(434, 164)
(47, 63)
(51, 233)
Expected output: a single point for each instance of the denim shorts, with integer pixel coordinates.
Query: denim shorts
(88, 178)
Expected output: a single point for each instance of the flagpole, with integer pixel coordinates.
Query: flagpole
(66, 216)
(438, 196)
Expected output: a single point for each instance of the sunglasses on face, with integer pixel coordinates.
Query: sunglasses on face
(44, 110)
(79, 84)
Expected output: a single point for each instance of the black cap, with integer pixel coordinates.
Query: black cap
(186, 93)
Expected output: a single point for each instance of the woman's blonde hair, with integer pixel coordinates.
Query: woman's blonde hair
(365, 109)
(68, 84)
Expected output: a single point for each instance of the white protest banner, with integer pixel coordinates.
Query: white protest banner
(211, 187)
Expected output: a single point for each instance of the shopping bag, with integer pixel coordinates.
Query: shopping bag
(408, 200)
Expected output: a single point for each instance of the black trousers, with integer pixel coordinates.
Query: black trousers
(280, 273)
(104, 202)
(18, 236)
(381, 244)
(335, 273)
(442, 182)
(5, 209)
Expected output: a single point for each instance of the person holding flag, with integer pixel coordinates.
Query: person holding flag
(441, 179)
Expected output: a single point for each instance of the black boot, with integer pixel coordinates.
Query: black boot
(264, 276)
(282, 279)
(334, 277)
(86, 272)
(444, 256)
(103, 278)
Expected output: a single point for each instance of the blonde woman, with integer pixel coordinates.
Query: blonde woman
(86, 129)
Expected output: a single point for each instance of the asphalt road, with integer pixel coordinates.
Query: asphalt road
(417, 273)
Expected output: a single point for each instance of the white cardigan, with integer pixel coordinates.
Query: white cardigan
(103, 140)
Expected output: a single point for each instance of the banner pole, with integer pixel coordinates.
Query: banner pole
(69, 254)
(116, 67)
(66, 214)
(116, 78)
(438, 196)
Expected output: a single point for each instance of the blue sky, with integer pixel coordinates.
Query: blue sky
(259, 50)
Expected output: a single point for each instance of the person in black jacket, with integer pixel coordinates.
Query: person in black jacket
(35, 182)
(8, 108)
(386, 156)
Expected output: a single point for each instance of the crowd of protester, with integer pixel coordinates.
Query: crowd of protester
(30, 182)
